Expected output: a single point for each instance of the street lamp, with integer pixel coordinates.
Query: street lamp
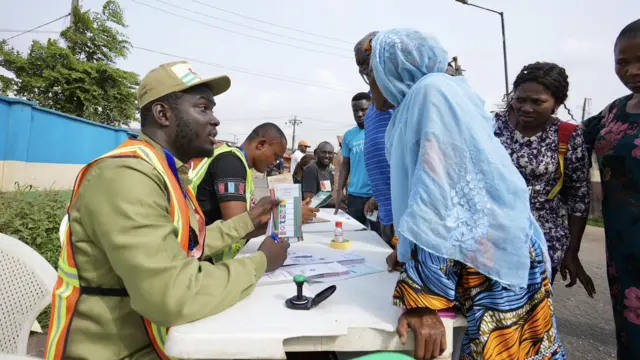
(235, 138)
(504, 41)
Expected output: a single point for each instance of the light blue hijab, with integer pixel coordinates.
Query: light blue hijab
(454, 188)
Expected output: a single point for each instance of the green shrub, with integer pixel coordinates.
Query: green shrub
(33, 216)
(596, 221)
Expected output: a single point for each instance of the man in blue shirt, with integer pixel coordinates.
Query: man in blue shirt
(358, 189)
(375, 157)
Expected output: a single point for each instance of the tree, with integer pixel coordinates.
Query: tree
(78, 76)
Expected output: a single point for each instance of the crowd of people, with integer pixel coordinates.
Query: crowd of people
(482, 210)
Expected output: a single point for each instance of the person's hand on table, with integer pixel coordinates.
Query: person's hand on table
(308, 213)
(428, 332)
(571, 264)
(370, 206)
(392, 262)
(276, 253)
(261, 213)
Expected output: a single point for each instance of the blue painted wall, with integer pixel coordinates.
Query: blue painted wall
(30, 133)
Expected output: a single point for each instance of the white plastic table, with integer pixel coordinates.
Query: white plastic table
(359, 316)
(348, 223)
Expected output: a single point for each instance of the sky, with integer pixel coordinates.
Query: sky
(576, 34)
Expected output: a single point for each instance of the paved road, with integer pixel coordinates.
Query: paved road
(585, 324)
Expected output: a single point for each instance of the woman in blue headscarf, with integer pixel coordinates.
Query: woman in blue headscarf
(466, 233)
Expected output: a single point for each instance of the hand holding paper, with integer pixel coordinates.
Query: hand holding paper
(308, 212)
(261, 213)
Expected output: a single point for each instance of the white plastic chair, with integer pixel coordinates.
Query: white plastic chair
(26, 284)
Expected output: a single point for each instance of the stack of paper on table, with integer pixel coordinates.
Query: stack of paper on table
(319, 268)
(355, 270)
(311, 272)
(340, 258)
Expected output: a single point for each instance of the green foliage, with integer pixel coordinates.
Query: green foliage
(596, 221)
(34, 217)
(77, 76)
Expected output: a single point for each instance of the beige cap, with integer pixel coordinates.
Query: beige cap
(176, 76)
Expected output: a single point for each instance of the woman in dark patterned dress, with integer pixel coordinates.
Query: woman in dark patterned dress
(529, 131)
(614, 134)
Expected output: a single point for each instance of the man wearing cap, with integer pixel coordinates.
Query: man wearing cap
(301, 151)
(130, 261)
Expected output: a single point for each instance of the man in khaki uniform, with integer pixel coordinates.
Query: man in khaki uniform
(128, 263)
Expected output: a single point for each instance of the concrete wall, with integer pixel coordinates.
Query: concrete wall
(47, 148)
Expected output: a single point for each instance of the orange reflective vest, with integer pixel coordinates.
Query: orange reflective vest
(68, 289)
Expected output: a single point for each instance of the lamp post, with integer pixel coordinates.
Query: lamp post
(504, 41)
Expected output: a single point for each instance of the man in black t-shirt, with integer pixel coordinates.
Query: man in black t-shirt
(222, 192)
(317, 176)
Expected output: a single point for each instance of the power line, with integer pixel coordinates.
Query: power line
(250, 72)
(33, 31)
(240, 33)
(251, 27)
(37, 27)
(258, 118)
(273, 24)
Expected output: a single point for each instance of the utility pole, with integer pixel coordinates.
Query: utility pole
(235, 139)
(74, 3)
(586, 108)
(457, 68)
(295, 122)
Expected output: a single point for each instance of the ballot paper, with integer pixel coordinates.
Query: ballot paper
(355, 270)
(311, 272)
(320, 199)
(373, 216)
(341, 258)
(286, 217)
(298, 254)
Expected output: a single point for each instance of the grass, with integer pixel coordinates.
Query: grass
(34, 216)
(64, 194)
(596, 221)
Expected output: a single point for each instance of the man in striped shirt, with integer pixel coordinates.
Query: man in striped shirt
(375, 159)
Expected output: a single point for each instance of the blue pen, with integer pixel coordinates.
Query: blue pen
(275, 238)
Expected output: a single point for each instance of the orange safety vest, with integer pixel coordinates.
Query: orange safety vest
(68, 289)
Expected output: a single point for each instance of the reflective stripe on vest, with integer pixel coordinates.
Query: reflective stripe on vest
(199, 169)
(68, 290)
(565, 130)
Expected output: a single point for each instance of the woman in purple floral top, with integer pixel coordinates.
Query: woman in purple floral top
(529, 130)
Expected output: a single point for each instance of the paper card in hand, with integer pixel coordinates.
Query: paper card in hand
(286, 217)
(320, 199)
